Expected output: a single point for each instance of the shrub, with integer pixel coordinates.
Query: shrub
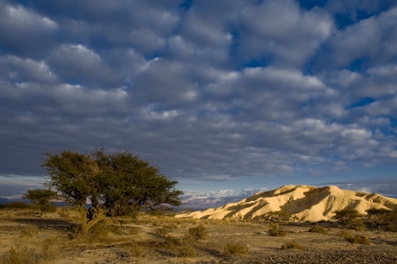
(20, 255)
(389, 227)
(187, 252)
(19, 205)
(319, 229)
(49, 250)
(379, 216)
(197, 233)
(347, 216)
(235, 248)
(172, 241)
(357, 225)
(30, 231)
(163, 230)
(117, 230)
(135, 250)
(274, 230)
(292, 245)
(354, 238)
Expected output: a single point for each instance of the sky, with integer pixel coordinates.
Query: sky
(229, 97)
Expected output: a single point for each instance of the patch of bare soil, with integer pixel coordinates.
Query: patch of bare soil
(165, 240)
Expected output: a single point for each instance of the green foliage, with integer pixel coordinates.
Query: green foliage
(197, 233)
(292, 245)
(235, 248)
(382, 217)
(116, 183)
(347, 216)
(275, 230)
(357, 224)
(42, 199)
(19, 205)
(319, 229)
(354, 238)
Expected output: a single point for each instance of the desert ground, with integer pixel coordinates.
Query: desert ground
(25, 237)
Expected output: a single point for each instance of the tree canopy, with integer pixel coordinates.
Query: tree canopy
(42, 199)
(116, 183)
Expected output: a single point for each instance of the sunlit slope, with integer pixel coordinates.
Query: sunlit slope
(304, 203)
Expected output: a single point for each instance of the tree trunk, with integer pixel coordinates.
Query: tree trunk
(88, 223)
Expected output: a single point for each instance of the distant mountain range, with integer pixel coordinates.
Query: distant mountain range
(205, 203)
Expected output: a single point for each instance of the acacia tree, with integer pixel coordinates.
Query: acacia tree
(129, 183)
(347, 216)
(381, 216)
(73, 176)
(41, 198)
(116, 183)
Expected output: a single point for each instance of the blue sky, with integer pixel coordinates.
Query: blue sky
(229, 97)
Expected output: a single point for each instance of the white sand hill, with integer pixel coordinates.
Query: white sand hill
(304, 203)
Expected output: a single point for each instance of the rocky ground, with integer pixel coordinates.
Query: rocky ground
(145, 241)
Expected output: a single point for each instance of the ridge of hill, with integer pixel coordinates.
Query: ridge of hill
(302, 202)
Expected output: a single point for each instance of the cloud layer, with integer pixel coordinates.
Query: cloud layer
(204, 89)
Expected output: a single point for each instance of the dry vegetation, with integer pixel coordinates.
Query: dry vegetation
(161, 238)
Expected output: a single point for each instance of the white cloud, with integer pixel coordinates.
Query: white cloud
(280, 31)
(19, 70)
(20, 17)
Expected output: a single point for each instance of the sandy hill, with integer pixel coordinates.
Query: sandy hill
(304, 203)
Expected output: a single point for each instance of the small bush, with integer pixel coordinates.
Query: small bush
(20, 205)
(135, 250)
(274, 230)
(292, 245)
(354, 238)
(319, 229)
(30, 231)
(389, 227)
(197, 233)
(49, 250)
(172, 241)
(163, 230)
(235, 248)
(187, 252)
(20, 255)
(347, 216)
(357, 225)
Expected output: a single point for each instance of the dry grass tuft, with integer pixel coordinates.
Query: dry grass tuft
(187, 252)
(354, 238)
(30, 231)
(172, 241)
(235, 248)
(292, 245)
(319, 229)
(274, 230)
(197, 233)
